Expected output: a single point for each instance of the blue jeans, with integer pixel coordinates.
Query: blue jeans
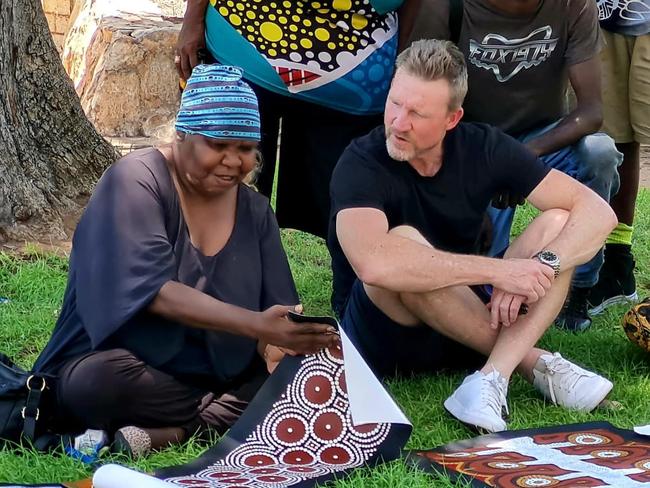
(592, 161)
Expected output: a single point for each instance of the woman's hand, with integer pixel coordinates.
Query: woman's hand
(273, 355)
(274, 328)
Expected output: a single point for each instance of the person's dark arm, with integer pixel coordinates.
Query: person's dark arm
(407, 14)
(585, 119)
(191, 37)
(181, 303)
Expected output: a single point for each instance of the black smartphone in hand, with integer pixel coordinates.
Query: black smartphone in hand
(314, 319)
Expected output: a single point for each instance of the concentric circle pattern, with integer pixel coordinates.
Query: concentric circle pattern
(307, 434)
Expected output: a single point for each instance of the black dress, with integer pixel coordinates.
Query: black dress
(130, 241)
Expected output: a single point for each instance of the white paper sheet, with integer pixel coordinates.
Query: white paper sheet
(642, 430)
(370, 403)
(114, 476)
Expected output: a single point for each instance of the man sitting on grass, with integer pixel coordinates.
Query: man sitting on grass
(408, 201)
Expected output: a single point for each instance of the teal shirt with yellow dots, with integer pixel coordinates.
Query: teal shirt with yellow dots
(336, 53)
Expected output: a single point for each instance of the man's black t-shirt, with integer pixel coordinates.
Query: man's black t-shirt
(479, 161)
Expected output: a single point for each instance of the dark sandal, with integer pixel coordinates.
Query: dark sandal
(132, 441)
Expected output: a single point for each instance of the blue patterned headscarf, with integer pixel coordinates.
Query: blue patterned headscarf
(218, 103)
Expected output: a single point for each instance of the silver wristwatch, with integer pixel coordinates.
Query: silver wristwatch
(549, 258)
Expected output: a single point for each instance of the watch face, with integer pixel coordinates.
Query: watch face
(548, 256)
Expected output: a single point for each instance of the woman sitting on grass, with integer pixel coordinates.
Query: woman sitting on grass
(178, 283)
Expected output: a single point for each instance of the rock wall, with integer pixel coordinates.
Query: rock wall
(58, 13)
(119, 55)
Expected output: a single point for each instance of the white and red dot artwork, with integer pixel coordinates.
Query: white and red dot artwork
(298, 431)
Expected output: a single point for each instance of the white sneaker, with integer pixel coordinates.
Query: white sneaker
(479, 400)
(569, 385)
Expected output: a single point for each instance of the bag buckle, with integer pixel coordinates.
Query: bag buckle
(22, 413)
(28, 384)
(29, 387)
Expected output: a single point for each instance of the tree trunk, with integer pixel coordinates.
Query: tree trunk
(50, 154)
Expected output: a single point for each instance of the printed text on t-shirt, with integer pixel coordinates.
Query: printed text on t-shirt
(507, 57)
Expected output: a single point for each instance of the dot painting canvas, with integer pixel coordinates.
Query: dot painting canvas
(580, 455)
(299, 430)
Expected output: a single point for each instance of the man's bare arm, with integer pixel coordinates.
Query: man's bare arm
(590, 220)
(585, 119)
(395, 263)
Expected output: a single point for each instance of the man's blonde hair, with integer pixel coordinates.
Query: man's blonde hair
(433, 59)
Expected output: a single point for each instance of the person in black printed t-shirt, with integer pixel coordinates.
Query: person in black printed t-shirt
(408, 202)
(521, 56)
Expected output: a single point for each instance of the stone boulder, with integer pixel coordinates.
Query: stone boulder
(120, 57)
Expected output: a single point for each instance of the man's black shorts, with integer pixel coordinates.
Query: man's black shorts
(390, 348)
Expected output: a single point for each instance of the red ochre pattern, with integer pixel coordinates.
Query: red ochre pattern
(294, 77)
(506, 469)
(308, 433)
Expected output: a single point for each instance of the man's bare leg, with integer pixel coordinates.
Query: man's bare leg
(441, 309)
(459, 314)
(515, 345)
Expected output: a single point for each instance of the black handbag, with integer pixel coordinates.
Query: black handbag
(21, 401)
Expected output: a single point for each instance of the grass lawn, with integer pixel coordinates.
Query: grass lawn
(35, 285)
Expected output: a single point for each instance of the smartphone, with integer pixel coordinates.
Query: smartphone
(314, 319)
